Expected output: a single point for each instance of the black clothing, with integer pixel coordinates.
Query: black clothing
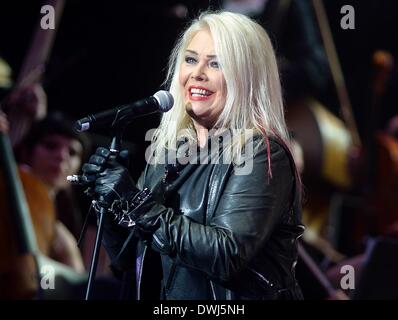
(220, 235)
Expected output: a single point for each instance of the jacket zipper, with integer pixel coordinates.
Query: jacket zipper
(158, 242)
(259, 275)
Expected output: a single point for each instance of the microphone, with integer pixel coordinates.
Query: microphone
(161, 101)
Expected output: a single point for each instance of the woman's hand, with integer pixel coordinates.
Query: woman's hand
(111, 179)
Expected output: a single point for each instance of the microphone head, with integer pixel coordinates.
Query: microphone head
(81, 125)
(165, 100)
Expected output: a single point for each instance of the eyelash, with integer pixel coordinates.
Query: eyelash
(191, 60)
(214, 62)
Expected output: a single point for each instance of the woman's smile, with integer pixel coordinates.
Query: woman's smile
(198, 93)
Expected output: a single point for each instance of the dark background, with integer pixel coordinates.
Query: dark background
(112, 52)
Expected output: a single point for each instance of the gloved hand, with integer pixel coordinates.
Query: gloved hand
(111, 179)
(114, 188)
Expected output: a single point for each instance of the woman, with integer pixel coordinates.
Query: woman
(49, 152)
(217, 230)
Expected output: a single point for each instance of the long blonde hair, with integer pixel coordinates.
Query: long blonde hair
(247, 59)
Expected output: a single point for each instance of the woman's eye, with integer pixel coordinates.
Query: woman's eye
(214, 64)
(190, 60)
(72, 152)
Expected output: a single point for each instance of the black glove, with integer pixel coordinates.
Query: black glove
(113, 186)
(112, 181)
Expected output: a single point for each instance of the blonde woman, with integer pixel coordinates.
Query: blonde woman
(199, 226)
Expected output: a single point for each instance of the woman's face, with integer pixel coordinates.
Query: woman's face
(54, 158)
(202, 80)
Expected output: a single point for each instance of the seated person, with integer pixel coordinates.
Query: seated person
(50, 152)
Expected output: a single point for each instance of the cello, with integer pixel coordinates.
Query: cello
(327, 143)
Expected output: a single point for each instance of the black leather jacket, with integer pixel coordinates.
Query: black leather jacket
(219, 235)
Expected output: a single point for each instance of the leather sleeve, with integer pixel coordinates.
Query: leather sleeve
(249, 208)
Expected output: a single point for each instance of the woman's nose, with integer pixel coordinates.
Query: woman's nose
(199, 73)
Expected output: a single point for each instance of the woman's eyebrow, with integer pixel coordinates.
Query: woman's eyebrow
(210, 56)
(191, 51)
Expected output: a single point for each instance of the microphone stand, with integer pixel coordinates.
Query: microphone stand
(114, 149)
